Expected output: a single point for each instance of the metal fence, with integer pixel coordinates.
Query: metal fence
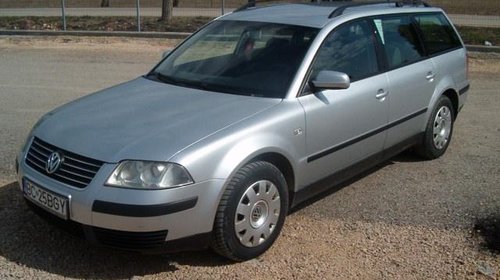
(137, 9)
(140, 9)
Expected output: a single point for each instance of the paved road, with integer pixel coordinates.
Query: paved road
(464, 20)
(406, 219)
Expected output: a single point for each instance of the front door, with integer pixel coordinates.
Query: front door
(345, 126)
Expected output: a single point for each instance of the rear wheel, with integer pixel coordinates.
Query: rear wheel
(251, 212)
(439, 130)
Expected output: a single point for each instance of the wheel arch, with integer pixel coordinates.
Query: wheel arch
(453, 96)
(444, 88)
(265, 146)
(284, 165)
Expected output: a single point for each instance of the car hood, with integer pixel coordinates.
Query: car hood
(144, 120)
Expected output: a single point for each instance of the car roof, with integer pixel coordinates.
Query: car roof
(311, 15)
(296, 14)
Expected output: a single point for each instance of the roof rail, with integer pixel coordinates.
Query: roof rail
(340, 10)
(253, 3)
(246, 6)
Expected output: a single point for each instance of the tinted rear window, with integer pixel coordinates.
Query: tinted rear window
(438, 34)
(400, 40)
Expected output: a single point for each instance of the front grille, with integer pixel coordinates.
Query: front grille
(130, 240)
(75, 170)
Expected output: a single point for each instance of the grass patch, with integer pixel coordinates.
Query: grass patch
(477, 35)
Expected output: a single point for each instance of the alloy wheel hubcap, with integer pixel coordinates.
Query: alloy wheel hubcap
(442, 127)
(257, 213)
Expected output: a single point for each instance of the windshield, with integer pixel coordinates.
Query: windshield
(238, 57)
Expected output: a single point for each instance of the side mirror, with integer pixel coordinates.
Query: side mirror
(331, 80)
(165, 53)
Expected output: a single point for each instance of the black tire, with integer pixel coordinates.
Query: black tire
(226, 241)
(428, 148)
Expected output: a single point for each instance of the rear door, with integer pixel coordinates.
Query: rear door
(411, 77)
(343, 126)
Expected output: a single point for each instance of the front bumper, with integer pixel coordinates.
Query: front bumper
(145, 242)
(143, 220)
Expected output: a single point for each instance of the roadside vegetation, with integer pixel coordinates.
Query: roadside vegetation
(475, 7)
(179, 24)
(479, 35)
(468, 7)
(471, 35)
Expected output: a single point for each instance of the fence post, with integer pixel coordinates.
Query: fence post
(63, 10)
(222, 6)
(138, 7)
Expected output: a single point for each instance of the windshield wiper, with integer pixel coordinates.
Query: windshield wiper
(195, 84)
(178, 82)
(165, 79)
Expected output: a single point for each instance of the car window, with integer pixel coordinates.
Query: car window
(239, 57)
(350, 49)
(242, 39)
(400, 40)
(212, 45)
(437, 32)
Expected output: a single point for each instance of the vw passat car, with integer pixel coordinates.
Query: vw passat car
(254, 113)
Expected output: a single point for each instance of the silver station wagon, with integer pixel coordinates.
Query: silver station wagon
(256, 112)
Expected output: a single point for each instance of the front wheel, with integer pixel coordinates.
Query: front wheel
(251, 212)
(438, 131)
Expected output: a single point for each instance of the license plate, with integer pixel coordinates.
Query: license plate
(52, 202)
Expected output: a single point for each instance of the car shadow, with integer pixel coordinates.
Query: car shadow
(337, 187)
(29, 241)
(405, 156)
(32, 242)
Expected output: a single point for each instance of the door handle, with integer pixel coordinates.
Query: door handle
(430, 76)
(381, 94)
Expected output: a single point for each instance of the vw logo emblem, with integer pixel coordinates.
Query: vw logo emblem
(53, 162)
(257, 212)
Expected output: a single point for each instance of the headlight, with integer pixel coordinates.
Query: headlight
(149, 175)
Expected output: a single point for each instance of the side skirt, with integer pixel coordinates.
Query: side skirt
(342, 176)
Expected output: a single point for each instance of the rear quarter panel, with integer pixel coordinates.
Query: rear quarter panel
(451, 73)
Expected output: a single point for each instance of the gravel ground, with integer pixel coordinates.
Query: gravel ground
(405, 219)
